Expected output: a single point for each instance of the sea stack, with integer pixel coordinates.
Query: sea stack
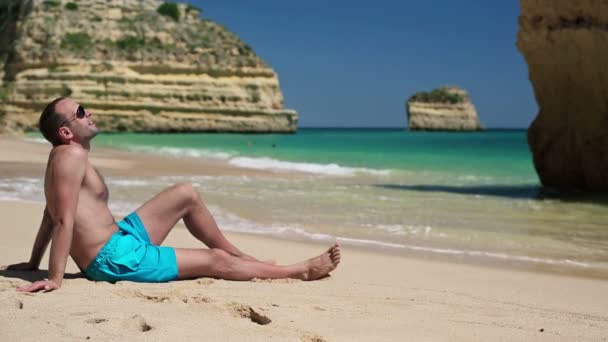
(138, 65)
(564, 44)
(443, 109)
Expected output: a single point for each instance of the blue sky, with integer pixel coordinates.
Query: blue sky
(354, 63)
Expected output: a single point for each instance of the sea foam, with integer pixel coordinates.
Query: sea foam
(184, 152)
(265, 163)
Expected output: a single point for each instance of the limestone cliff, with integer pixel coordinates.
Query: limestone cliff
(564, 43)
(139, 65)
(443, 109)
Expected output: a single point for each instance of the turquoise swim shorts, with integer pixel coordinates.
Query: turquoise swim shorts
(129, 255)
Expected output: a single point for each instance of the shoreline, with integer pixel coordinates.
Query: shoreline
(23, 156)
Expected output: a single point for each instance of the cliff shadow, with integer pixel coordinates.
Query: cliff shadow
(533, 192)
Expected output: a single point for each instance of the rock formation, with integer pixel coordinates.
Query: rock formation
(443, 109)
(563, 43)
(138, 65)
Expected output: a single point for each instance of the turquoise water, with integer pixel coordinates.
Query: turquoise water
(502, 156)
(465, 196)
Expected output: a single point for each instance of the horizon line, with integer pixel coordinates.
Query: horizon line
(403, 128)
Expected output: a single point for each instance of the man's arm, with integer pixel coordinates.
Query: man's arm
(66, 176)
(42, 239)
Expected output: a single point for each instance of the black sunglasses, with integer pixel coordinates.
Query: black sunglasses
(80, 114)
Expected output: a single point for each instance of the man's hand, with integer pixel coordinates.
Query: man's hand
(22, 266)
(45, 285)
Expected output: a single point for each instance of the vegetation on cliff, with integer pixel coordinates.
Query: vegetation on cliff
(8, 9)
(441, 95)
(169, 10)
(160, 65)
(443, 109)
(149, 34)
(71, 6)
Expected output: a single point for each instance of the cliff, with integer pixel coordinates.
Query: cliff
(563, 43)
(443, 109)
(139, 65)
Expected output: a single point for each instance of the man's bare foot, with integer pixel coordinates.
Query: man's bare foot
(319, 267)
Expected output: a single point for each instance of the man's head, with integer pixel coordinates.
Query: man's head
(64, 121)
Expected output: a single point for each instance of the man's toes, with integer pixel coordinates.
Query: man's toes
(335, 258)
(335, 251)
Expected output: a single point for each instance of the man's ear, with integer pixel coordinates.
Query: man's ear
(65, 133)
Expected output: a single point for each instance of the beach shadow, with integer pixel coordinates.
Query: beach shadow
(33, 276)
(532, 192)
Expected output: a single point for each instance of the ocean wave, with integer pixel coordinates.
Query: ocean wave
(36, 140)
(264, 163)
(468, 253)
(260, 163)
(124, 182)
(31, 190)
(234, 223)
(21, 188)
(302, 234)
(183, 152)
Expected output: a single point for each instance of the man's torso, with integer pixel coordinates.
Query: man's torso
(93, 222)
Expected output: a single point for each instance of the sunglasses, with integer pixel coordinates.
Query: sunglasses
(80, 114)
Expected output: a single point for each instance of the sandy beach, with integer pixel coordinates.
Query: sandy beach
(372, 296)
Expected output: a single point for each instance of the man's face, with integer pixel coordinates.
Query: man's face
(81, 127)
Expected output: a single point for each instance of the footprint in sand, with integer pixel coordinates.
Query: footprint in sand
(312, 338)
(198, 300)
(96, 320)
(159, 298)
(156, 297)
(245, 311)
(171, 297)
(139, 323)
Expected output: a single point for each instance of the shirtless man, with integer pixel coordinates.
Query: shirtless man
(78, 222)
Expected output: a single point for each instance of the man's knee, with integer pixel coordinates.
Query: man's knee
(187, 192)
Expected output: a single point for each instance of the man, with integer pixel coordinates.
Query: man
(78, 222)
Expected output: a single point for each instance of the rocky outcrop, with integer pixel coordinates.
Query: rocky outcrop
(564, 43)
(443, 109)
(138, 65)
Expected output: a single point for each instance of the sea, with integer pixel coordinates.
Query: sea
(469, 197)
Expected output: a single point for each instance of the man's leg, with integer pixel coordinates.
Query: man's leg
(160, 214)
(216, 263)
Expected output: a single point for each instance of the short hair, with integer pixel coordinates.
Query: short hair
(50, 121)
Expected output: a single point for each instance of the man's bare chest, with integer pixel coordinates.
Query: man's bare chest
(94, 184)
